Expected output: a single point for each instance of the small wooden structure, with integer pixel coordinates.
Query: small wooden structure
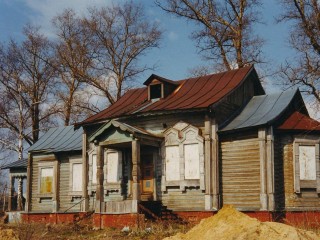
(188, 147)
(17, 171)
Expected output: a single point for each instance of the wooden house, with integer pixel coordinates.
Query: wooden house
(188, 147)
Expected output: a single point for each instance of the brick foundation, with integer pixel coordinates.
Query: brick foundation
(53, 218)
(117, 220)
(310, 218)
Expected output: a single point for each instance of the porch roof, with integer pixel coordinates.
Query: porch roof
(60, 139)
(16, 164)
(124, 127)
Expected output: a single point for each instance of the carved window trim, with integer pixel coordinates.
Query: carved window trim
(179, 135)
(45, 165)
(92, 185)
(300, 184)
(72, 161)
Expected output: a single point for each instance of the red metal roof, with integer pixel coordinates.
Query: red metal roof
(299, 121)
(192, 93)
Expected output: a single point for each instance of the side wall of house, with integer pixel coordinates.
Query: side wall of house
(62, 197)
(240, 171)
(307, 199)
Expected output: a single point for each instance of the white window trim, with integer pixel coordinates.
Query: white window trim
(43, 165)
(296, 163)
(181, 140)
(92, 185)
(74, 160)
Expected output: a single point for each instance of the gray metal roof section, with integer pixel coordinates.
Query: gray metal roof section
(16, 164)
(61, 139)
(262, 110)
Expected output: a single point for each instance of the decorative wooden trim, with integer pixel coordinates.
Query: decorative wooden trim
(262, 135)
(270, 168)
(75, 160)
(306, 141)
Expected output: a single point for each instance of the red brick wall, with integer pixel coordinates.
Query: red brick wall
(54, 218)
(117, 220)
(311, 219)
(307, 219)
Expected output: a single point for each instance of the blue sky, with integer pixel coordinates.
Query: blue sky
(177, 54)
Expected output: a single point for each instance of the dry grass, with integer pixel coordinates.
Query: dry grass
(148, 231)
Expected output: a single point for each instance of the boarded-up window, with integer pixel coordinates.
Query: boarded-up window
(77, 177)
(172, 163)
(46, 180)
(114, 167)
(307, 161)
(94, 168)
(192, 161)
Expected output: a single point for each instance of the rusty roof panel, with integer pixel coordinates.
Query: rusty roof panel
(299, 121)
(192, 93)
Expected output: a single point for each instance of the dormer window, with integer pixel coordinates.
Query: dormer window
(159, 87)
(155, 91)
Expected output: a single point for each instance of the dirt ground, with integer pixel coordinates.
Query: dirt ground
(231, 224)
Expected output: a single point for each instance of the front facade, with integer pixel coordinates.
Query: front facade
(181, 149)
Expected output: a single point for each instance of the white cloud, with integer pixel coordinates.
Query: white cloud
(44, 10)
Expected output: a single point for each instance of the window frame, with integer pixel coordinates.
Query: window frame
(182, 134)
(45, 165)
(75, 160)
(299, 184)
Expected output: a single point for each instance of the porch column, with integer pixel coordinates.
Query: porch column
(11, 190)
(270, 169)
(19, 197)
(208, 163)
(29, 182)
(85, 175)
(136, 171)
(55, 200)
(215, 166)
(99, 193)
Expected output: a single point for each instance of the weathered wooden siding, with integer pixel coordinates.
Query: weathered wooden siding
(231, 104)
(307, 199)
(66, 200)
(190, 200)
(240, 173)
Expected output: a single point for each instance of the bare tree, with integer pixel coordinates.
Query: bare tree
(26, 80)
(75, 60)
(304, 69)
(122, 35)
(225, 32)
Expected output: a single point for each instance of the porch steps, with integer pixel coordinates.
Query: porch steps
(155, 210)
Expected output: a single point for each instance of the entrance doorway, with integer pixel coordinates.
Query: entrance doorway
(147, 177)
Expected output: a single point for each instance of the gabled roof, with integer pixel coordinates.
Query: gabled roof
(61, 139)
(160, 79)
(123, 126)
(262, 110)
(191, 94)
(300, 122)
(16, 164)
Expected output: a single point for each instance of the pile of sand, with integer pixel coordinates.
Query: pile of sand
(231, 224)
(7, 234)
